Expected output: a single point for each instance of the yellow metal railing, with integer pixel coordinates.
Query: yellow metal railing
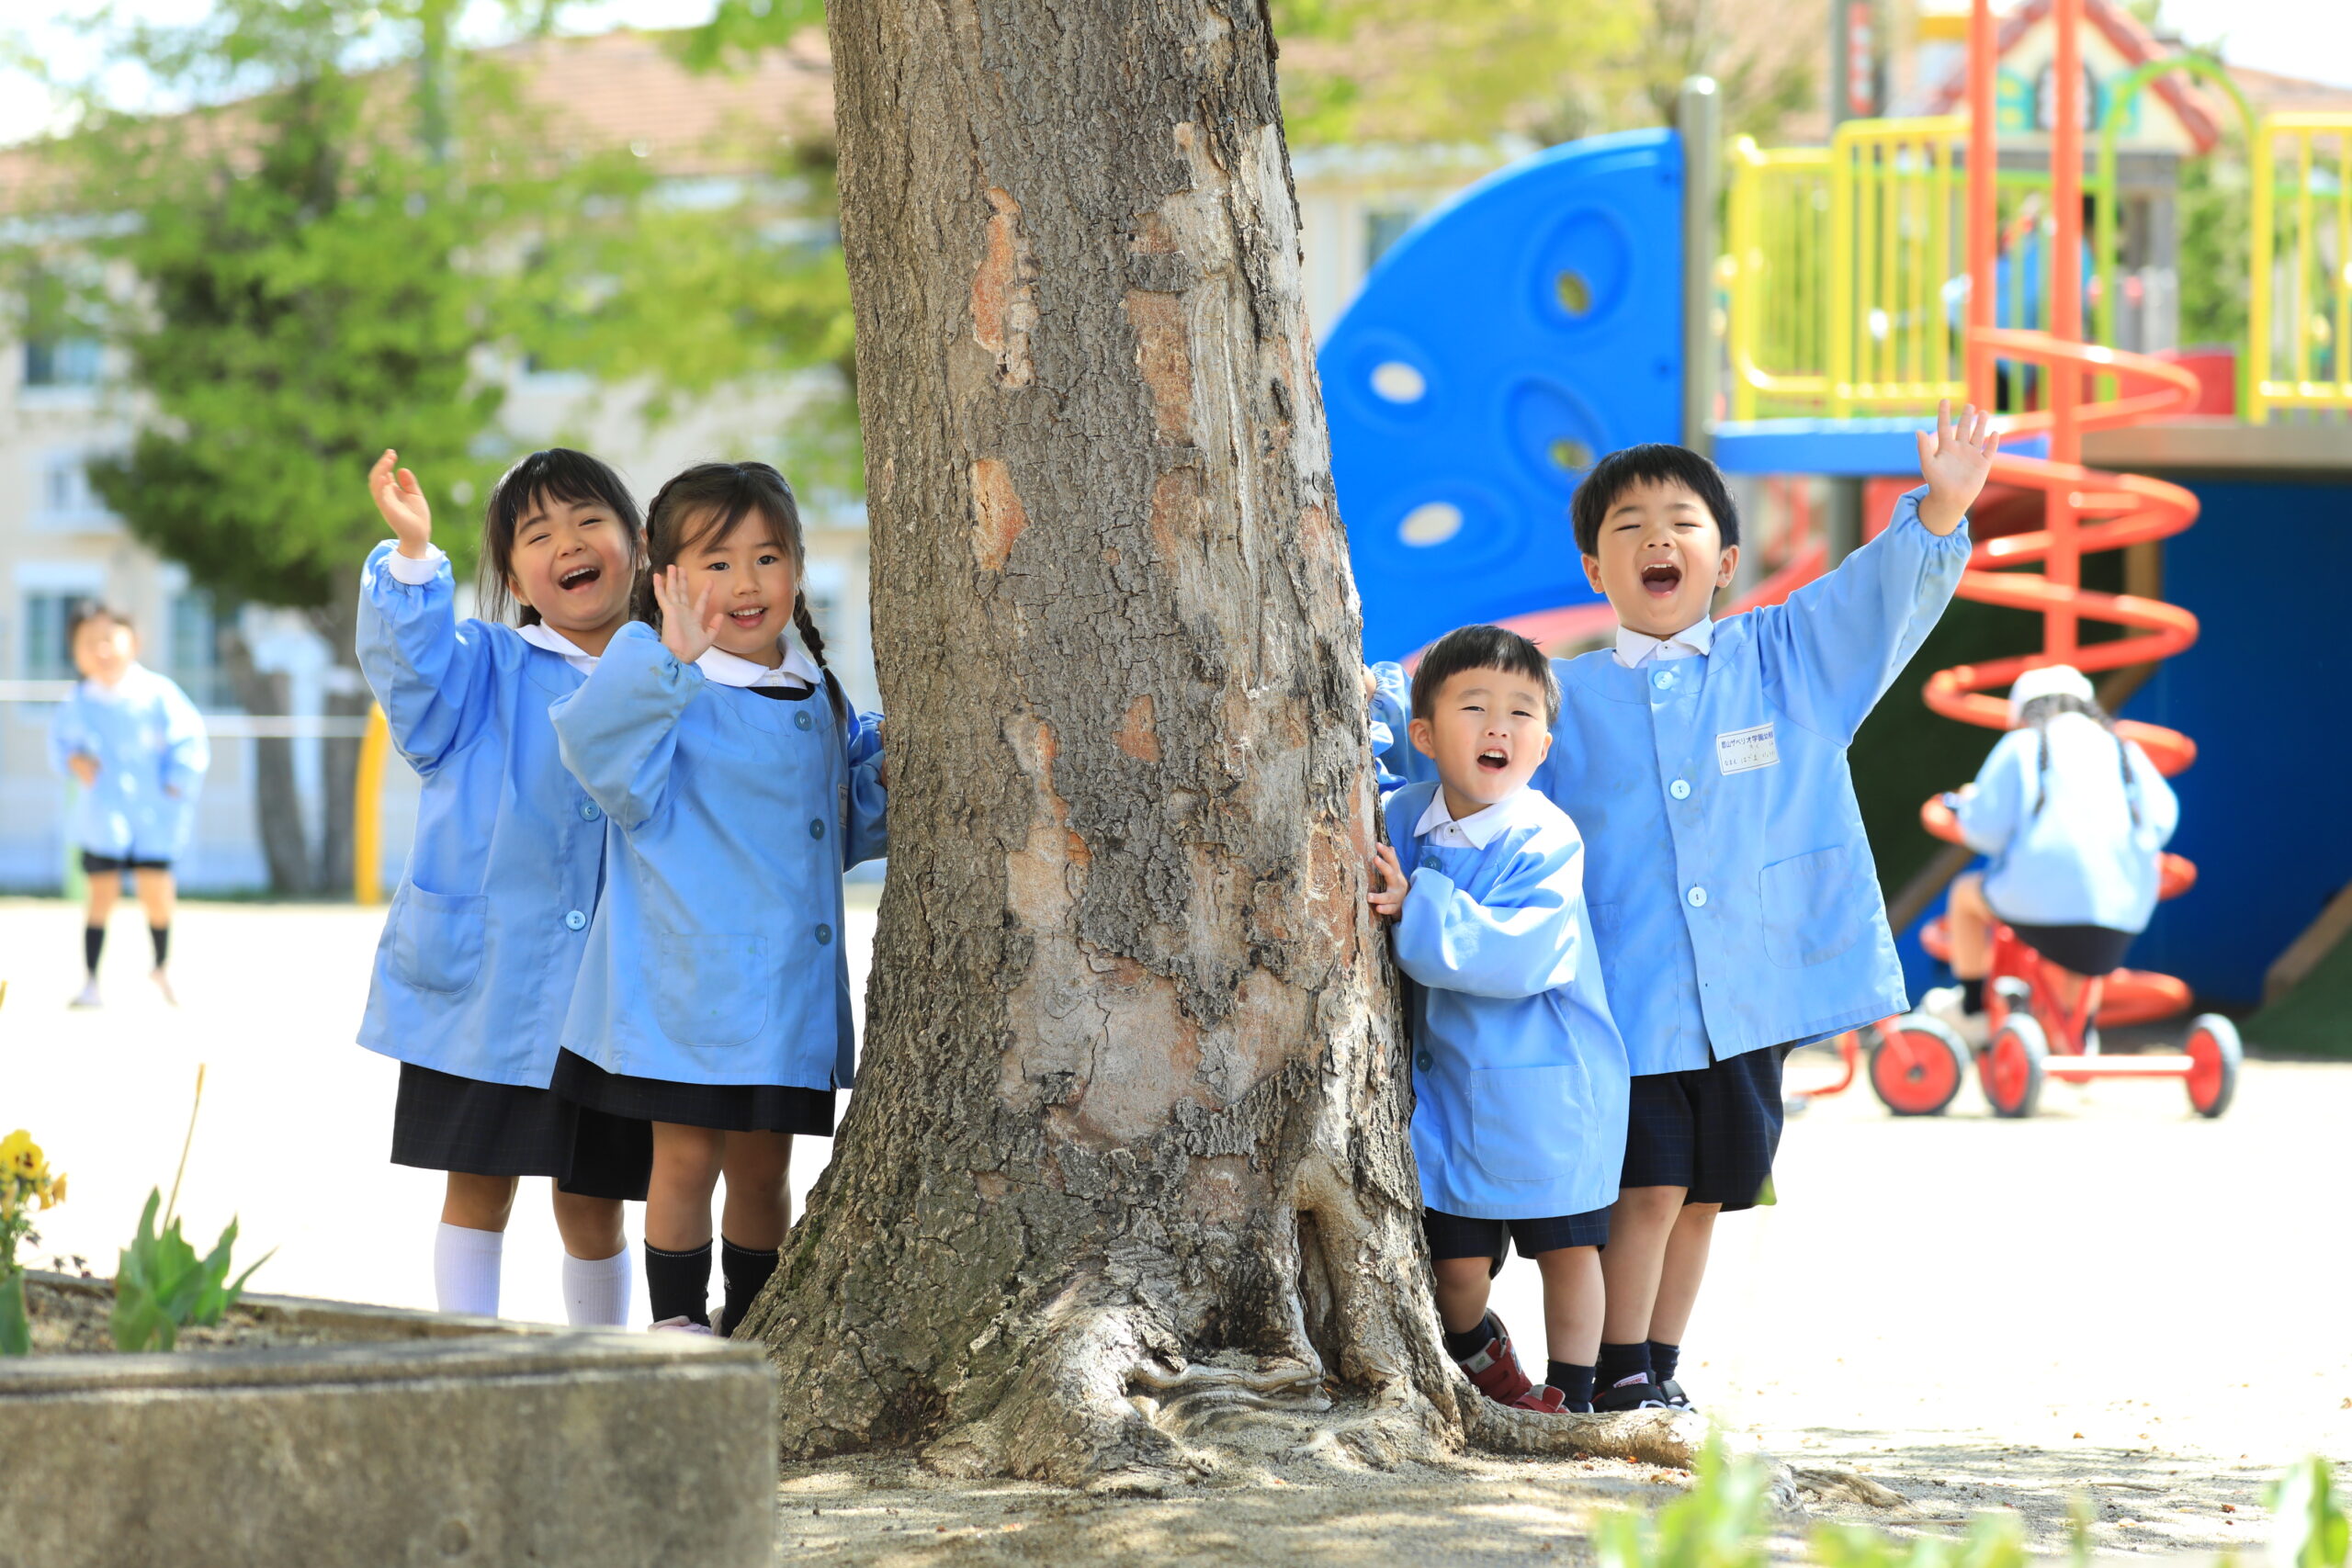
(1841, 260)
(2299, 326)
(1897, 240)
(1778, 227)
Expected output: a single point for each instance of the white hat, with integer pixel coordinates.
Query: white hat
(2049, 680)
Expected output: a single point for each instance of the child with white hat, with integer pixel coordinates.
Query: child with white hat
(2072, 817)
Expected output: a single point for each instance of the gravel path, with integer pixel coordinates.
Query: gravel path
(2116, 1300)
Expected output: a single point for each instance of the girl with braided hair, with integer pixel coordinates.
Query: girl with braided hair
(737, 786)
(2073, 817)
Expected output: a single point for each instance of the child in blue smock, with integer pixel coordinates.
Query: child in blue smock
(474, 972)
(737, 786)
(1734, 903)
(1519, 1073)
(136, 745)
(2074, 818)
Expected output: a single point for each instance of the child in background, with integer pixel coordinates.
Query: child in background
(2074, 816)
(1735, 904)
(136, 745)
(738, 786)
(1519, 1115)
(484, 938)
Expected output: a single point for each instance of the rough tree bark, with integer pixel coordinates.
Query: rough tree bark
(1127, 1163)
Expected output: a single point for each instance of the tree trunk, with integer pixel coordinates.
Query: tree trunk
(277, 804)
(1129, 1152)
(339, 756)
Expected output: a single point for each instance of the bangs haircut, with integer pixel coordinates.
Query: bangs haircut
(85, 611)
(1483, 647)
(557, 474)
(1652, 462)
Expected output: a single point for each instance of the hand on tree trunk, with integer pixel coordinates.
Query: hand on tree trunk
(1388, 884)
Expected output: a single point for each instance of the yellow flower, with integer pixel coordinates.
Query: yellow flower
(19, 1156)
(56, 1191)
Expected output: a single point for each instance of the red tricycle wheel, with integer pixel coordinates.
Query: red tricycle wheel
(2214, 1055)
(2011, 1067)
(1918, 1066)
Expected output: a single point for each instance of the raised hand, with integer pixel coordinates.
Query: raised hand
(1387, 895)
(1954, 461)
(402, 500)
(86, 768)
(690, 623)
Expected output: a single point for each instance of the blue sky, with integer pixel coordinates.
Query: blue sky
(2295, 37)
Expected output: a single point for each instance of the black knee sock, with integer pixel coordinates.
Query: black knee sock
(1664, 1358)
(745, 1269)
(1470, 1341)
(1619, 1362)
(93, 941)
(1571, 1380)
(677, 1284)
(162, 937)
(1972, 995)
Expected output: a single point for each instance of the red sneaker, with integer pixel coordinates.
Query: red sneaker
(1495, 1368)
(1543, 1399)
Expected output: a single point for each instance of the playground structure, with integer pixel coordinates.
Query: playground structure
(1567, 306)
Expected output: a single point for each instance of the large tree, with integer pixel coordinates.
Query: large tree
(1129, 1151)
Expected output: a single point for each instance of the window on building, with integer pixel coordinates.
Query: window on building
(46, 655)
(1383, 227)
(62, 362)
(66, 499)
(195, 649)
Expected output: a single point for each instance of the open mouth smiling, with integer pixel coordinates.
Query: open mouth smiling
(1494, 760)
(580, 577)
(749, 619)
(1661, 579)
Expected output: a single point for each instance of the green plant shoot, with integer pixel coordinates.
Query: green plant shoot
(2308, 1529)
(1719, 1523)
(160, 1286)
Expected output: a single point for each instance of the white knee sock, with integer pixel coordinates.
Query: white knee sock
(464, 1270)
(595, 1290)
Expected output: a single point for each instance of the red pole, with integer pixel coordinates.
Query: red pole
(2064, 565)
(1984, 204)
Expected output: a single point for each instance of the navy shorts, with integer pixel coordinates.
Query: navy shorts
(1455, 1236)
(1713, 1130)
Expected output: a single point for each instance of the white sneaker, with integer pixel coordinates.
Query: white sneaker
(163, 984)
(1942, 1004)
(684, 1325)
(89, 997)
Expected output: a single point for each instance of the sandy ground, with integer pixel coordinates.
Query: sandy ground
(2116, 1300)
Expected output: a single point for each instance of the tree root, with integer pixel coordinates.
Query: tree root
(1668, 1438)
(1831, 1484)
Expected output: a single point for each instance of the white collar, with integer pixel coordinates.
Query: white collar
(1694, 641)
(731, 670)
(538, 634)
(1479, 826)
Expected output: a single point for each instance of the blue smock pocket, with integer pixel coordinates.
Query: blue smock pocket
(1811, 915)
(435, 938)
(1529, 1124)
(711, 990)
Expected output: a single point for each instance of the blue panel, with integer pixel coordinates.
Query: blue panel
(1857, 448)
(1529, 326)
(2264, 812)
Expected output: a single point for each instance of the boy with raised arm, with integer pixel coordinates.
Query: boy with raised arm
(1735, 904)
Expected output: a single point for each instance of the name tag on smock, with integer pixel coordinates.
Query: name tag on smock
(1745, 751)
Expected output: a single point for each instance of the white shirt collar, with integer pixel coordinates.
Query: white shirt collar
(538, 634)
(1479, 828)
(1692, 642)
(729, 670)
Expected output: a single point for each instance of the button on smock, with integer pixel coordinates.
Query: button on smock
(1698, 896)
(1679, 789)
(800, 721)
(588, 812)
(817, 828)
(1425, 1061)
(575, 921)
(824, 935)
(1662, 680)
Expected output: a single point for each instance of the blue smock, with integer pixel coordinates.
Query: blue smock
(1519, 1078)
(1734, 902)
(2076, 846)
(149, 743)
(475, 967)
(717, 955)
